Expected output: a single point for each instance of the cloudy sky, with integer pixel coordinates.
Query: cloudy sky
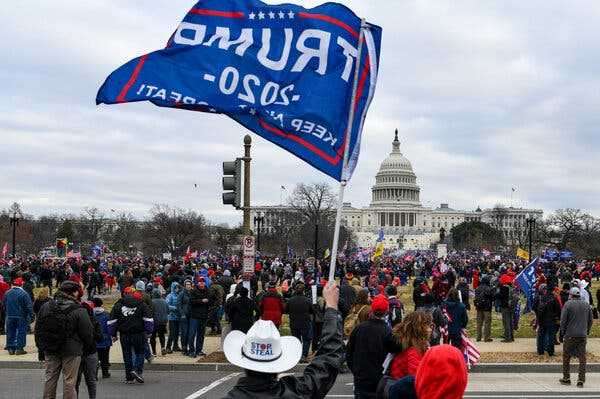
(486, 96)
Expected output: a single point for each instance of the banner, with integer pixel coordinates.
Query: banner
(378, 246)
(565, 255)
(283, 71)
(551, 254)
(526, 282)
(521, 253)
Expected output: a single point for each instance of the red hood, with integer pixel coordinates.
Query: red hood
(442, 374)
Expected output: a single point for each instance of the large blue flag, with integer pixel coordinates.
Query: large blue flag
(526, 282)
(283, 71)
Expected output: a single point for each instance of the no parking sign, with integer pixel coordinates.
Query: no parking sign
(248, 253)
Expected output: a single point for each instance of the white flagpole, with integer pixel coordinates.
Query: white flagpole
(348, 136)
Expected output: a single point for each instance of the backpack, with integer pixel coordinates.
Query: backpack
(351, 321)
(481, 301)
(54, 328)
(395, 313)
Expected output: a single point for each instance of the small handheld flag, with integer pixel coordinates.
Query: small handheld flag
(521, 253)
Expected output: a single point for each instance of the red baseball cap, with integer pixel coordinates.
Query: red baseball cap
(380, 304)
(18, 282)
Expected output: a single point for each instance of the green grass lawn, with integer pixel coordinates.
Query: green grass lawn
(525, 329)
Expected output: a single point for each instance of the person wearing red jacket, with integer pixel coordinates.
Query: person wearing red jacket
(4, 287)
(271, 305)
(413, 333)
(475, 279)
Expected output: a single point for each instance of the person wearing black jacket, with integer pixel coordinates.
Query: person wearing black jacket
(318, 377)
(300, 309)
(484, 300)
(200, 302)
(133, 319)
(547, 312)
(368, 346)
(80, 336)
(504, 295)
(242, 311)
(347, 296)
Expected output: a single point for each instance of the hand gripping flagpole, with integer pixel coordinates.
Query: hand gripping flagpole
(348, 136)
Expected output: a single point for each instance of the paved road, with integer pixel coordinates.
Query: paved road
(27, 384)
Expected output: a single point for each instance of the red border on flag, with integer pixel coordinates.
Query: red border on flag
(217, 13)
(331, 20)
(132, 79)
(275, 130)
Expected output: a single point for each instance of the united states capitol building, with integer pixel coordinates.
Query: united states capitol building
(396, 208)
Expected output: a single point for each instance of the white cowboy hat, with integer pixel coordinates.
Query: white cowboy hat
(262, 349)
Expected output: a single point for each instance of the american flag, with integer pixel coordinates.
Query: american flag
(471, 352)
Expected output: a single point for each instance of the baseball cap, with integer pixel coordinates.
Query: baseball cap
(380, 304)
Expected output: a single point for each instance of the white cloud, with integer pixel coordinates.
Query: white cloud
(485, 97)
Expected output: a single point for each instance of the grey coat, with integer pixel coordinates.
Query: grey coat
(575, 319)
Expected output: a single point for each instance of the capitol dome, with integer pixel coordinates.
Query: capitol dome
(396, 182)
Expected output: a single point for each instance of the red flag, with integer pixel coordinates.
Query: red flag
(4, 250)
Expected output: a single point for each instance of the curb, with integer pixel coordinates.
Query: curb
(512, 368)
(506, 368)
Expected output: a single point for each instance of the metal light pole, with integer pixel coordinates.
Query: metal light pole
(316, 242)
(530, 224)
(247, 159)
(14, 222)
(259, 221)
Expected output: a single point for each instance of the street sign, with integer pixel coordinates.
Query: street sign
(248, 253)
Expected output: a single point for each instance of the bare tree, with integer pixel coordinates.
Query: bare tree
(89, 226)
(123, 233)
(173, 230)
(314, 202)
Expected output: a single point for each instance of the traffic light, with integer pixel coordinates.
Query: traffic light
(232, 183)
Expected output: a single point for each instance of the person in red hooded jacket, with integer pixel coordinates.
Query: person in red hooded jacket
(271, 305)
(442, 374)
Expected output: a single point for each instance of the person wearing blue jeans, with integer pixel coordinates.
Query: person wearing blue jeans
(132, 346)
(196, 337)
(173, 317)
(547, 312)
(184, 311)
(16, 333)
(304, 335)
(133, 319)
(184, 329)
(19, 312)
(545, 339)
(300, 309)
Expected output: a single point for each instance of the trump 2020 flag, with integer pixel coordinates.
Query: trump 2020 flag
(283, 71)
(526, 282)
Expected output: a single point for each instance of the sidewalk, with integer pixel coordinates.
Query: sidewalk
(492, 352)
(211, 344)
(529, 345)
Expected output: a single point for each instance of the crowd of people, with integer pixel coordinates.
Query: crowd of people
(393, 349)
